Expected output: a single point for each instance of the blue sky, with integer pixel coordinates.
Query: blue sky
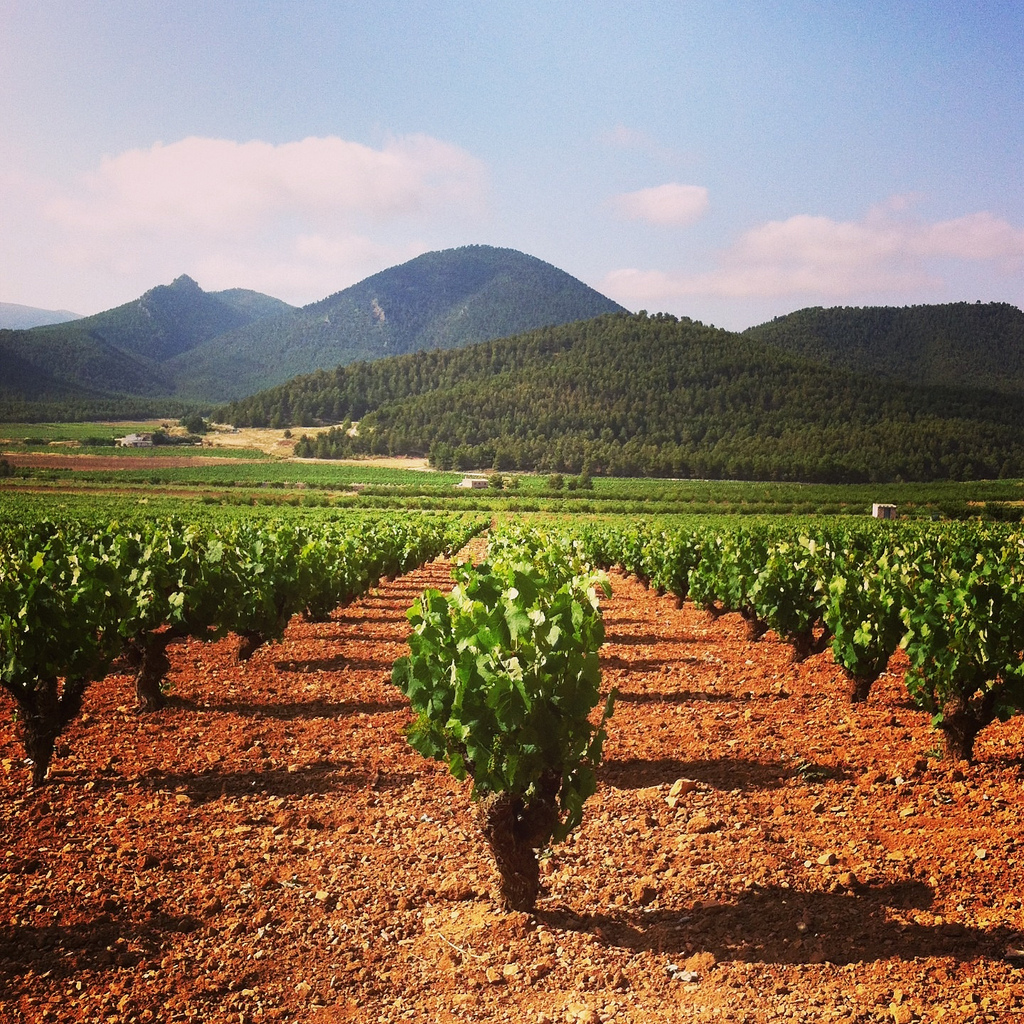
(728, 161)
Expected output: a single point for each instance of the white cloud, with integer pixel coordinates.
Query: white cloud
(299, 220)
(880, 255)
(219, 186)
(671, 205)
(978, 236)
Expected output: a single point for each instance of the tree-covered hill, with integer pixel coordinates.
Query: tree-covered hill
(178, 341)
(126, 350)
(644, 395)
(441, 299)
(958, 344)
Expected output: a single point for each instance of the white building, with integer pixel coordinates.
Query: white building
(474, 481)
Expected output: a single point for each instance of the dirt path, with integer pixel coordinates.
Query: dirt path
(270, 849)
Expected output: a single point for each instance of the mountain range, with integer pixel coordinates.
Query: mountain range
(481, 357)
(178, 341)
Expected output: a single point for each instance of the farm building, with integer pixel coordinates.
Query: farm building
(472, 482)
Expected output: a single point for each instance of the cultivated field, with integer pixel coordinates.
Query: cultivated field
(270, 848)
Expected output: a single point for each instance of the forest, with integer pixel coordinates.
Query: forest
(640, 395)
(950, 344)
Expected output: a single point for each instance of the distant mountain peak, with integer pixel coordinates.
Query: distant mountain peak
(442, 299)
(16, 317)
(178, 339)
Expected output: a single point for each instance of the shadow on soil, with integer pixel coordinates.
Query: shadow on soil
(644, 664)
(652, 639)
(111, 943)
(341, 629)
(317, 778)
(66, 952)
(348, 621)
(324, 777)
(294, 711)
(336, 664)
(631, 639)
(761, 927)
(725, 773)
(680, 697)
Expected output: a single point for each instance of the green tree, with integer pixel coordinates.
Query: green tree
(194, 423)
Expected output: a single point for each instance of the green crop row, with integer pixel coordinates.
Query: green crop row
(73, 596)
(950, 594)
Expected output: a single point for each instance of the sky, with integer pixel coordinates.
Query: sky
(725, 160)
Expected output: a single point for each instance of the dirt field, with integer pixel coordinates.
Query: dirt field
(273, 442)
(46, 460)
(270, 848)
(264, 441)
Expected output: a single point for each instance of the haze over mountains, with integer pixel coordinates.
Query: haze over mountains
(180, 341)
(16, 317)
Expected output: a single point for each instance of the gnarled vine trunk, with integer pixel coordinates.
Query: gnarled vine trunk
(962, 719)
(515, 829)
(46, 709)
(151, 664)
(860, 687)
(756, 628)
(248, 643)
(805, 643)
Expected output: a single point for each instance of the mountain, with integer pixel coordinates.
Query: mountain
(444, 299)
(126, 350)
(254, 305)
(15, 317)
(165, 322)
(977, 344)
(182, 342)
(649, 395)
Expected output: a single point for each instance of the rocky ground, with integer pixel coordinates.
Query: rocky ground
(270, 849)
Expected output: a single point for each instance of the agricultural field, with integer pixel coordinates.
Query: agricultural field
(253, 467)
(268, 846)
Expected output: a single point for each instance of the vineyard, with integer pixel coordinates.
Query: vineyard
(798, 801)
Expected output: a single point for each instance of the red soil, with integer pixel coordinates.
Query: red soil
(114, 462)
(269, 848)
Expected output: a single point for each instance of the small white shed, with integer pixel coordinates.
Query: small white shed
(135, 441)
(883, 511)
(474, 482)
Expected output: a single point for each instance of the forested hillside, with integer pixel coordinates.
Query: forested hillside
(182, 343)
(125, 351)
(442, 299)
(624, 394)
(959, 344)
